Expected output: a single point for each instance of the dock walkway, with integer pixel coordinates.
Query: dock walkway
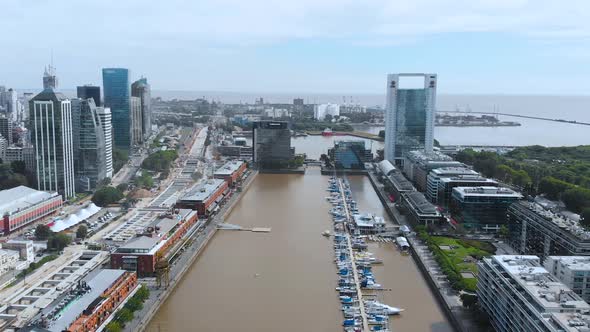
(351, 253)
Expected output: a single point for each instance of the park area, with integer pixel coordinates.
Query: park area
(458, 258)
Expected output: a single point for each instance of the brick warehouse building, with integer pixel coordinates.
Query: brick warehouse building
(205, 197)
(22, 206)
(231, 171)
(141, 253)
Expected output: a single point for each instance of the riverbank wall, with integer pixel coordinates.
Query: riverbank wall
(211, 230)
(447, 307)
(300, 170)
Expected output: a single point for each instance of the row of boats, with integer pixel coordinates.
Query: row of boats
(354, 265)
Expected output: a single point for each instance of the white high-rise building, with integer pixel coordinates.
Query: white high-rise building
(320, 111)
(104, 114)
(51, 135)
(409, 116)
(573, 271)
(518, 294)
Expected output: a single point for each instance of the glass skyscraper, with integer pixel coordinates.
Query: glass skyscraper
(89, 91)
(142, 90)
(117, 97)
(409, 117)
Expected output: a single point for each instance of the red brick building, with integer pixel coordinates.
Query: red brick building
(21, 206)
(141, 253)
(231, 172)
(205, 197)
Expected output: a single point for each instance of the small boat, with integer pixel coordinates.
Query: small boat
(326, 233)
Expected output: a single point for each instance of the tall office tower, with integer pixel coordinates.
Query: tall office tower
(51, 134)
(49, 78)
(76, 111)
(89, 91)
(409, 117)
(271, 143)
(104, 114)
(141, 89)
(6, 128)
(136, 121)
(3, 148)
(117, 97)
(91, 165)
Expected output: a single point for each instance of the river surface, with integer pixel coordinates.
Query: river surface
(284, 280)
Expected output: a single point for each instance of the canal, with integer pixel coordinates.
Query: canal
(284, 280)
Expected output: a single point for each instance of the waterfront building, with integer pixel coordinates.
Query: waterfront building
(21, 206)
(417, 164)
(6, 128)
(117, 97)
(204, 197)
(140, 254)
(350, 154)
(136, 122)
(237, 151)
(92, 164)
(482, 208)
(534, 230)
(398, 185)
(271, 143)
(51, 135)
(101, 296)
(409, 117)
(231, 172)
(573, 271)
(446, 185)
(322, 110)
(104, 114)
(89, 91)
(421, 211)
(17, 153)
(385, 167)
(433, 179)
(518, 294)
(142, 90)
(368, 224)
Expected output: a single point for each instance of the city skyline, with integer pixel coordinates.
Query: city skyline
(478, 48)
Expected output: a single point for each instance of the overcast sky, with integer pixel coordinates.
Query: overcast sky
(324, 46)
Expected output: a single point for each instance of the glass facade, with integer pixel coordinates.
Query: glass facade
(271, 142)
(350, 155)
(142, 90)
(117, 98)
(89, 91)
(92, 163)
(480, 212)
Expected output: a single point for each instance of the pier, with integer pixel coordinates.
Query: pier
(521, 116)
(351, 253)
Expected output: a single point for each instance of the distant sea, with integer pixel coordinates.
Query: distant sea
(531, 132)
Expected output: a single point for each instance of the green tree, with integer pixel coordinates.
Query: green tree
(143, 293)
(81, 232)
(58, 241)
(19, 166)
(113, 326)
(107, 195)
(122, 187)
(104, 182)
(134, 304)
(503, 232)
(120, 158)
(468, 300)
(42, 232)
(124, 315)
(382, 133)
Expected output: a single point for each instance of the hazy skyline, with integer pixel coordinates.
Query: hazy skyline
(323, 46)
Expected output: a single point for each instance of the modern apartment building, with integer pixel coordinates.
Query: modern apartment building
(534, 230)
(518, 294)
(433, 179)
(271, 143)
(573, 271)
(104, 114)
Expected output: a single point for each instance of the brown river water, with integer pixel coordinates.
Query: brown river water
(284, 280)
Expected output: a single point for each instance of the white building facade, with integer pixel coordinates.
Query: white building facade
(320, 111)
(573, 271)
(518, 294)
(104, 114)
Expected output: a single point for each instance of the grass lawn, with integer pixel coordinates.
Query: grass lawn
(463, 254)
